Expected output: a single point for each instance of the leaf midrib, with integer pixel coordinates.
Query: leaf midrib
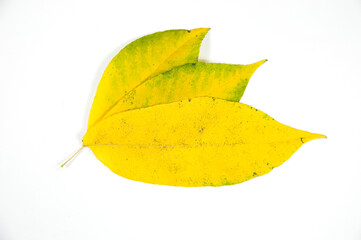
(191, 145)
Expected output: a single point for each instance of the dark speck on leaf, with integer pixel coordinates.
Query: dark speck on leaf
(189, 31)
(189, 100)
(254, 174)
(193, 64)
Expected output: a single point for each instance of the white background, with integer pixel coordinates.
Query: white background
(52, 55)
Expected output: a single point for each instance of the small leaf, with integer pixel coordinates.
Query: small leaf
(224, 81)
(142, 59)
(202, 142)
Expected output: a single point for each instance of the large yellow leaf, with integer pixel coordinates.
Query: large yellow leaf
(223, 81)
(142, 59)
(197, 142)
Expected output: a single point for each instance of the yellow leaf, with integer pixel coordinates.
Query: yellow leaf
(142, 59)
(198, 142)
(224, 81)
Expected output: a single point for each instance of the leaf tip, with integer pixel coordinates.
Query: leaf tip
(258, 64)
(312, 136)
(262, 61)
(200, 30)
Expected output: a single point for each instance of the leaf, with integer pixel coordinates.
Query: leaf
(142, 59)
(199, 142)
(160, 117)
(223, 81)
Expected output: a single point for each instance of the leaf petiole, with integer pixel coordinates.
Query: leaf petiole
(62, 165)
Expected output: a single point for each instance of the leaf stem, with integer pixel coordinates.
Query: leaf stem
(62, 165)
